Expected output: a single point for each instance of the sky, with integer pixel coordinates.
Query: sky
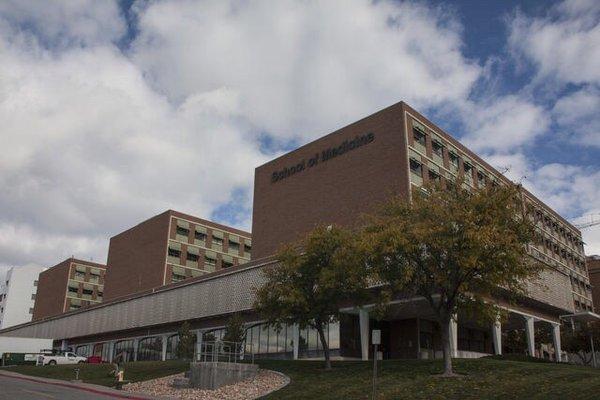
(114, 111)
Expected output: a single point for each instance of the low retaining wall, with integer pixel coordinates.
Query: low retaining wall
(213, 375)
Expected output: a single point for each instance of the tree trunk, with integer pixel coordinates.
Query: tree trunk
(325, 346)
(445, 328)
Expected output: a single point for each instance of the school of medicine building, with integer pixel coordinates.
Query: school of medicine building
(333, 180)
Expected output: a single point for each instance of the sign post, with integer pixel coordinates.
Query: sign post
(376, 340)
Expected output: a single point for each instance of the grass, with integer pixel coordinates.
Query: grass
(413, 379)
(486, 378)
(99, 374)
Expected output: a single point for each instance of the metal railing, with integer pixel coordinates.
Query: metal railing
(222, 351)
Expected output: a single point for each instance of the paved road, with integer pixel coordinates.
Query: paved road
(15, 388)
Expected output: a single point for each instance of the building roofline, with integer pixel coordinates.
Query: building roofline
(192, 281)
(406, 107)
(337, 131)
(173, 213)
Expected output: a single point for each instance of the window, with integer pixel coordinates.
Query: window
(434, 176)
(79, 276)
(74, 290)
(416, 167)
(200, 235)
(234, 246)
(468, 168)
(175, 277)
(247, 248)
(217, 241)
(174, 252)
(150, 349)
(33, 296)
(226, 264)
(35, 283)
(88, 292)
(123, 351)
(192, 257)
(480, 178)
(182, 231)
(30, 310)
(437, 148)
(419, 136)
(209, 261)
(453, 157)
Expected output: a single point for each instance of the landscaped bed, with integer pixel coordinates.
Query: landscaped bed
(263, 383)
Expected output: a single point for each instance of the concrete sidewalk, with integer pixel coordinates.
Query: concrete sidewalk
(38, 387)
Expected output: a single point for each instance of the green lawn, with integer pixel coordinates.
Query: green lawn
(407, 379)
(99, 374)
(482, 379)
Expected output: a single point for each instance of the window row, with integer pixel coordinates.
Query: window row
(556, 228)
(217, 239)
(438, 152)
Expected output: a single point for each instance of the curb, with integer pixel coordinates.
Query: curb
(86, 387)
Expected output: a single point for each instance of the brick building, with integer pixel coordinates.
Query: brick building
(593, 266)
(339, 177)
(334, 179)
(67, 286)
(171, 247)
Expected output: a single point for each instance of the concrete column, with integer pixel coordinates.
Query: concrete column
(199, 338)
(497, 337)
(530, 334)
(556, 340)
(136, 343)
(296, 340)
(453, 335)
(111, 350)
(363, 319)
(164, 347)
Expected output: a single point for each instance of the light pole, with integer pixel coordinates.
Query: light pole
(376, 340)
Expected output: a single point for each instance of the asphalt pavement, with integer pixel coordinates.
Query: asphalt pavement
(29, 388)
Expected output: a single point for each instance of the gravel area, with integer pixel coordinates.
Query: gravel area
(264, 382)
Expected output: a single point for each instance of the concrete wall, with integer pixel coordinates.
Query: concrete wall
(18, 293)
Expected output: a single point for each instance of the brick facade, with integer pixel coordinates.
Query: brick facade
(593, 266)
(308, 187)
(156, 253)
(53, 296)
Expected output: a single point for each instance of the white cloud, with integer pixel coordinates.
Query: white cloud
(304, 68)
(503, 124)
(65, 23)
(564, 45)
(96, 139)
(577, 115)
(90, 149)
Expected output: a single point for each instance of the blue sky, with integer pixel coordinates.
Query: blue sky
(114, 111)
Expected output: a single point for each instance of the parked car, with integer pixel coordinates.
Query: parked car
(94, 360)
(58, 359)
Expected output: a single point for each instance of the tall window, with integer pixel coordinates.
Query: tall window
(438, 148)
(416, 167)
(419, 136)
(123, 351)
(150, 349)
(453, 157)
